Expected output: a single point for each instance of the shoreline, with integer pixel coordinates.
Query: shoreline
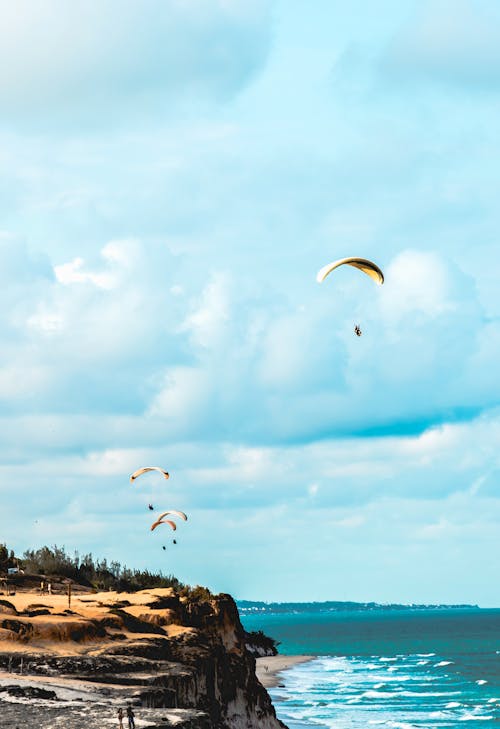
(268, 668)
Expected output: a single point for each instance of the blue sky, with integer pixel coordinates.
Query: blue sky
(172, 176)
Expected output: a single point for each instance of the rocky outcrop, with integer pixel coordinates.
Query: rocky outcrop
(260, 645)
(154, 649)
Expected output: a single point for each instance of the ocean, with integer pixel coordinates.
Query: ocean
(385, 668)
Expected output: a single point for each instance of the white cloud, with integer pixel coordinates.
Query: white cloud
(416, 282)
(90, 62)
(120, 257)
(174, 318)
(219, 351)
(69, 273)
(258, 497)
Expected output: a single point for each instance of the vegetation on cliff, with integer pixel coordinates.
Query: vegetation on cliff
(259, 644)
(95, 573)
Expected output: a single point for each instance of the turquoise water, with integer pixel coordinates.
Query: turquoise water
(401, 669)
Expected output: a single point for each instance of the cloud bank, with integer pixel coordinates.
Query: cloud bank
(172, 177)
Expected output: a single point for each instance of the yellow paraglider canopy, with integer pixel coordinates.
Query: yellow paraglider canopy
(180, 514)
(371, 269)
(140, 471)
(157, 523)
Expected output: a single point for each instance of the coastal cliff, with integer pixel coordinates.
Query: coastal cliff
(179, 661)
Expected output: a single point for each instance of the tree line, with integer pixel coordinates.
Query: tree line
(87, 570)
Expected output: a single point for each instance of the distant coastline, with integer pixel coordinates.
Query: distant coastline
(249, 606)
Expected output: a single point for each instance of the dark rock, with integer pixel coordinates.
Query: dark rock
(37, 611)
(135, 625)
(29, 692)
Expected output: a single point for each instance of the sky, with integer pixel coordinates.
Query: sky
(172, 176)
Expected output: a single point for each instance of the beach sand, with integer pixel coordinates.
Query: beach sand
(54, 631)
(276, 664)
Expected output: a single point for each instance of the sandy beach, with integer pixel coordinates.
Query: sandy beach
(268, 668)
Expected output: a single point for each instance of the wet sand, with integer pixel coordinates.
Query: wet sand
(276, 664)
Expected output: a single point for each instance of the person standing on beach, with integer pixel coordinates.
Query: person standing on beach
(130, 715)
(120, 718)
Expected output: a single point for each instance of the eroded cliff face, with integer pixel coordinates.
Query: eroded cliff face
(153, 649)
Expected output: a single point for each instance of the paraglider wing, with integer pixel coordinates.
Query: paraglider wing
(181, 514)
(371, 269)
(140, 471)
(167, 521)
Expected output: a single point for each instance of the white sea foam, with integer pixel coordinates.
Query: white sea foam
(475, 717)
(481, 682)
(391, 723)
(371, 694)
(425, 694)
(356, 692)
